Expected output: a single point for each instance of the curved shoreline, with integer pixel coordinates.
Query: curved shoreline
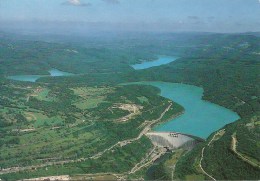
(174, 116)
(206, 117)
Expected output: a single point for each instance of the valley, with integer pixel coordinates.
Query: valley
(89, 123)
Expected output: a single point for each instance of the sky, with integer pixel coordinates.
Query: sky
(139, 15)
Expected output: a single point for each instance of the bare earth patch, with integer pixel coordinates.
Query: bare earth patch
(30, 116)
(23, 130)
(98, 176)
(133, 110)
(50, 178)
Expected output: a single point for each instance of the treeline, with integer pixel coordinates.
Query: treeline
(26, 57)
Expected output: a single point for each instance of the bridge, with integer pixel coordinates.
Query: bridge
(173, 140)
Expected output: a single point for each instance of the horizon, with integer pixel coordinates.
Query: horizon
(74, 16)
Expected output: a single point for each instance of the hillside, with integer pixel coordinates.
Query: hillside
(84, 114)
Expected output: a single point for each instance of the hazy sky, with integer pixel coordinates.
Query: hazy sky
(158, 15)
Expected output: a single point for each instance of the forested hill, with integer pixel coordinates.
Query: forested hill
(228, 70)
(225, 65)
(229, 73)
(113, 54)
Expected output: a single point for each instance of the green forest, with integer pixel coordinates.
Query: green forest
(74, 120)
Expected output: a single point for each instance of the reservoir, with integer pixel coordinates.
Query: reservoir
(201, 118)
(33, 78)
(160, 61)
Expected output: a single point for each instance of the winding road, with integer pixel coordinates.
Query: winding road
(120, 143)
(234, 148)
(202, 156)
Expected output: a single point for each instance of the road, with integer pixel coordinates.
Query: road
(149, 159)
(202, 156)
(234, 148)
(120, 143)
(143, 132)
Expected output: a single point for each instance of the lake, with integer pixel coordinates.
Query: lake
(201, 118)
(33, 78)
(160, 61)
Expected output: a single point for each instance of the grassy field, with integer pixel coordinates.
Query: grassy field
(41, 132)
(43, 95)
(90, 97)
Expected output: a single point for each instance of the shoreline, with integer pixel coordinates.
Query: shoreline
(174, 116)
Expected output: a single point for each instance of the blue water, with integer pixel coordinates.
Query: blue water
(160, 61)
(200, 118)
(33, 78)
(28, 78)
(56, 73)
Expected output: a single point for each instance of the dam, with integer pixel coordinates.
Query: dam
(173, 140)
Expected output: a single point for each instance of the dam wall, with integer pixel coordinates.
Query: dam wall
(173, 140)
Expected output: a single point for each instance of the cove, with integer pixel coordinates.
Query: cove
(200, 118)
(33, 78)
(160, 61)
